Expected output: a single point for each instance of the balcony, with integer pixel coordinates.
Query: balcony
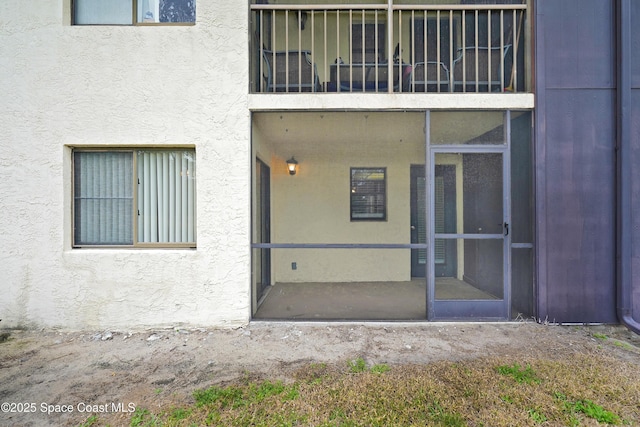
(389, 48)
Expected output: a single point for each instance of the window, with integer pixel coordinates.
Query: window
(368, 194)
(131, 198)
(128, 12)
(371, 49)
(430, 36)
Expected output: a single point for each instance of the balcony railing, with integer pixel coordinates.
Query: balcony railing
(388, 48)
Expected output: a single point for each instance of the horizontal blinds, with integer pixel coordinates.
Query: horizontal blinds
(103, 198)
(368, 193)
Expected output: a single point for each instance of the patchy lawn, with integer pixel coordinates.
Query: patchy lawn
(488, 391)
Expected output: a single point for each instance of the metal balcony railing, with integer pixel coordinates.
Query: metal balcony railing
(388, 48)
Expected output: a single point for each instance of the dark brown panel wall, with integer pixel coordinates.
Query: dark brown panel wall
(575, 160)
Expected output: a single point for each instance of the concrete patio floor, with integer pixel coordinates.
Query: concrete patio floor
(360, 300)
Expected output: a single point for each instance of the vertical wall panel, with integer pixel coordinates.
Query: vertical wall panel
(635, 197)
(580, 43)
(580, 174)
(575, 160)
(635, 45)
(635, 160)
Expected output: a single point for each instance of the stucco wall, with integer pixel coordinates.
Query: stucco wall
(313, 206)
(65, 86)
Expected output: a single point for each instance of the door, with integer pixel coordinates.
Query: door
(418, 220)
(263, 227)
(445, 255)
(468, 229)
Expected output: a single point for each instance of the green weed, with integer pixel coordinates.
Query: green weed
(358, 365)
(179, 414)
(593, 410)
(229, 396)
(622, 344)
(143, 418)
(588, 408)
(380, 369)
(89, 421)
(520, 374)
(258, 393)
(537, 416)
(506, 398)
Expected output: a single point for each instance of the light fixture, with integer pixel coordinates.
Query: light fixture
(292, 165)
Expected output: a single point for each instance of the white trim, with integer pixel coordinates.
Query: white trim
(404, 102)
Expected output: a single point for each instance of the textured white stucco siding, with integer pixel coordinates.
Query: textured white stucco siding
(64, 86)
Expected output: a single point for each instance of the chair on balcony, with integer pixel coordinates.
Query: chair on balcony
(424, 77)
(471, 69)
(290, 71)
(401, 77)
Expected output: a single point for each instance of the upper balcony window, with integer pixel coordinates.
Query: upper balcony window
(381, 46)
(133, 12)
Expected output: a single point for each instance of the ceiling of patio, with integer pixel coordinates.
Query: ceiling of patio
(303, 132)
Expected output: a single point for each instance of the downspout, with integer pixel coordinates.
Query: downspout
(623, 168)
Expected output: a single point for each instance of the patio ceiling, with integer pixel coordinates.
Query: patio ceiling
(312, 132)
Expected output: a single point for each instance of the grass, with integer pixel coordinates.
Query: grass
(600, 336)
(589, 409)
(489, 392)
(521, 375)
(537, 416)
(359, 365)
(622, 344)
(89, 421)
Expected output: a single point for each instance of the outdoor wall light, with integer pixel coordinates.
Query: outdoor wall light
(292, 165)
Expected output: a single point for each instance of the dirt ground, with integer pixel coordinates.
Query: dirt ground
(61, 378)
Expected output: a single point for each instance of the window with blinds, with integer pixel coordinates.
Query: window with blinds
(367, 43)
(368, 194)
(134, 197)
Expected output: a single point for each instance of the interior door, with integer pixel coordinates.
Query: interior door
(475, 239)
(418, 220)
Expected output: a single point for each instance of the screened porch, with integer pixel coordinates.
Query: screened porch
(380, 215)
